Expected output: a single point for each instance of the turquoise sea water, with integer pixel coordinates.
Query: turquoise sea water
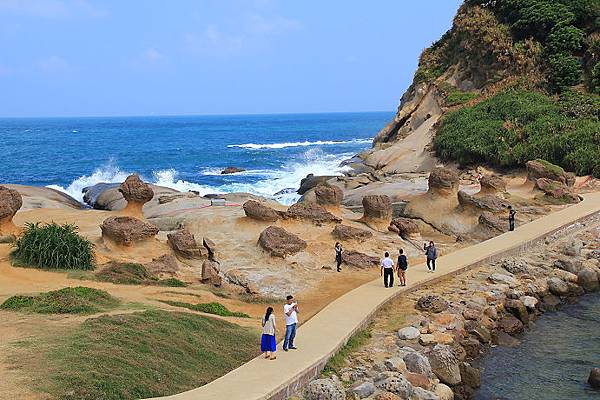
(554, 360)
(185, 153)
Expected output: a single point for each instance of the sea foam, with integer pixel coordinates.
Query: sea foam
(254, 146)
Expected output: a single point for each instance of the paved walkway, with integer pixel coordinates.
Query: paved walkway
(321, 336)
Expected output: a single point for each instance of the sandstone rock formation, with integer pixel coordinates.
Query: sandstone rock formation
(328, 195)
(357, 259)
(261, 212)
(10, 203)
(210, 273)
(165, 266)
(136, 193)
(311, 212)
(557, 190)
(127, 230)
(279, 242)
(232, 170)
(345, 232)
(443, 181)
(542, 169)
(481, 202)
(377, 208)
(184, 244)
(406, 228)
(492, 184)
(211, 247)
(311, 181)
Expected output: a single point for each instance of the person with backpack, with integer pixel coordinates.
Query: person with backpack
(432, 254)
(387, 270)
(338, 256)
(402, 267)
(511, 218)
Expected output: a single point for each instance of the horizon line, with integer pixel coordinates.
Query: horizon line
(193, 115)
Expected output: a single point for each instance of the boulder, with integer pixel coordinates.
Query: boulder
(394, 382)
(409, 333)
(504, 279)
(443, 392)
(427, 339)
(515, 266)
(417, 380)
(491, 184)
(364, 390)
(184, 245)
(387, 396)
(211, 247)
(518, 309)
(529, 301)
(444, 364)
(492, 223)
(505, 340)
(563, 275)
(443, 181)
(422, 394)
(482, 202)
(357, 259)
(510, 324)
(311, 181)
(470, 375)
(377, 207)
(479, 331)
(587, 278)
(10, 202)
(472, 347)
(279, 242)
(594, 378)
(136, 192)
(395, 364)
(127, 230)
(557, 191)
(572, 248)
(345, 232)
(558, 287)
(261, 212)
(312, 212)
(432, 303)
(328, 195)
(406, 228)
(210, 273)
(537, 169)
(232, 170)
(163, 267)
(325, 389)
(417, 363)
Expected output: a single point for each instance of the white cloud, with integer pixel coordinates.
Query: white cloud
(51, 8)
(153, 55)
(54, 64)
(274, 24)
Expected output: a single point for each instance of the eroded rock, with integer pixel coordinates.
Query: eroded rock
(406, 228)
(261, 212)
(279, 242)
(377, 207)
(127, 230)
(345, 232)
(312, 212)
(329, 195)
(10, 202)
(357, 259)
(184, 245)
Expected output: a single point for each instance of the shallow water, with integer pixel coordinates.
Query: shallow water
(553, 361)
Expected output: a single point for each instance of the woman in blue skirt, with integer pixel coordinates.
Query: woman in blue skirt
(268, 344)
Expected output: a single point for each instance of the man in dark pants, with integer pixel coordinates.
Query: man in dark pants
(511, 218)
(387, 270)
(431, 253)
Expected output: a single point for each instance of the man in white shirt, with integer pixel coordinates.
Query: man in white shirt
(387, 270)
(290, 310)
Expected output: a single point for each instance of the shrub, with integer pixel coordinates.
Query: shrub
(457, 97)
(53, 246)
(124, 274)
(565, 70)
(595, 85)
(172, 282)
(513, 127)
(70, 300)
(209, 308)
(564, 39)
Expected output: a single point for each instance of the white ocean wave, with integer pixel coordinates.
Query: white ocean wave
(270, 183)
(254, 146)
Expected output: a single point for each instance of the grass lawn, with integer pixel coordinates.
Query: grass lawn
(69, 300)
(209, 308)
(144, 354)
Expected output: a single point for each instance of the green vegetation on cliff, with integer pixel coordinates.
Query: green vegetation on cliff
(537, 62)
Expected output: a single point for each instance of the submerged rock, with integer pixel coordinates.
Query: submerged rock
(594, 378)
(231, 170)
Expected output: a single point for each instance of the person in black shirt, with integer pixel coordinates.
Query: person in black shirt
(338, 256)
(402, 267)
(511, 218)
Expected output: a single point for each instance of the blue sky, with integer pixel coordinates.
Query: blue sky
(175, 57)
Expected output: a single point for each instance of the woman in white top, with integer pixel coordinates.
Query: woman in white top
(268, 344)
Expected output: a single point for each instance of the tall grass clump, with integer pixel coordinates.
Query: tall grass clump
(53, 246)
(209, 308)
(69, 300)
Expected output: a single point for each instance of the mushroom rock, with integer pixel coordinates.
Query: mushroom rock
(344, 232)
(377, 207)
(136, 193)
(10, 203)
(406, 228)
(329, 195)
(261, 212)
(279, 242)
(184, 244)
(127, 230)
(443, 182)
(492, 184)
(543, 169)
(312, 212)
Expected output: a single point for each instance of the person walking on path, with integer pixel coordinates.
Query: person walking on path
(511, 218)
(338, 256)
(387, 270)
(290, 310)
(431, 253)
(402, 267)
(268, 344)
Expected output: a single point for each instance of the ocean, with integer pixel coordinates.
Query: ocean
(185, 152)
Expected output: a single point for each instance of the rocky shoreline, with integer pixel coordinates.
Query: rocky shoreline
(434, 353)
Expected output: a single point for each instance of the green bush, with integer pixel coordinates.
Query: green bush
(564, 39)
(565, 70)
(457, 97)
(513, 127)
(172, 282)
(209, 308)
(595, 86)
(70, 300)
(53, 246)
(124, 274)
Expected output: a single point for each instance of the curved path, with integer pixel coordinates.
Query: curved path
(321, 336)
